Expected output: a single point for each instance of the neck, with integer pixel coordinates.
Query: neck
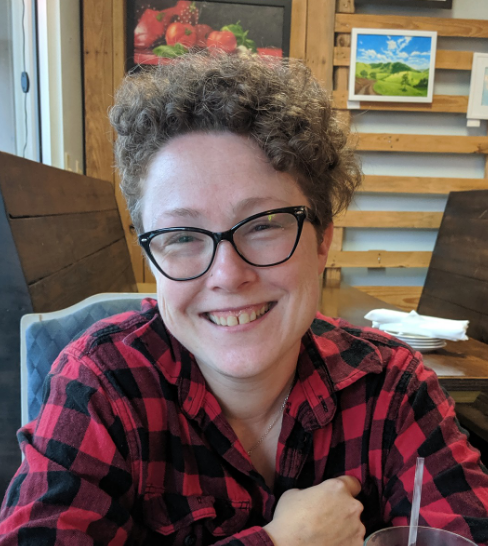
(252, 399)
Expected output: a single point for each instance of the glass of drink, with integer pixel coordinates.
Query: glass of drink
(426, 536)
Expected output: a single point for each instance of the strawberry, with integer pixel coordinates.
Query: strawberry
(190, 14)
(150, 27)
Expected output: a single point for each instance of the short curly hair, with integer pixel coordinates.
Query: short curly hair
(277, 103)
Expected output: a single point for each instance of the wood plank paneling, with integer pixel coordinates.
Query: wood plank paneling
(444, 59)
(380, 142)
(404, 297)
(107, 270)
(98, 87)
(418, 184)
(463, 28)
(298, 36)
(378, 258)
(320, 40)
(119, 56)
(449, 104)
(28, 188)
(389, 219)
(50, 243)
(333, 274)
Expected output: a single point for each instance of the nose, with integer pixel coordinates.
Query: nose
(229, 271)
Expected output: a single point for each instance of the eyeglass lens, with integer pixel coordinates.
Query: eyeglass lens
(262, 241)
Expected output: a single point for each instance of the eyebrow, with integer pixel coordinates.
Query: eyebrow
(183, 212)
(252, 201)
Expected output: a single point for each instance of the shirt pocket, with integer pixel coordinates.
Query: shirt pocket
(189, 519)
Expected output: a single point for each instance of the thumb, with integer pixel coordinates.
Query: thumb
(352, 484)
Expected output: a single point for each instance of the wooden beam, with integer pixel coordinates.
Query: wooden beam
(444, 59)
(98, 87)
(381, 142)
(449, 104)
(320, 40)
(389, 219)
(298, 37)
(345, 6)
(119, 56)
(333, 275)
(463, 28)
(417, 184)
(378, 259)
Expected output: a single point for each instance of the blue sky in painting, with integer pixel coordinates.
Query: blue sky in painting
(382, 48)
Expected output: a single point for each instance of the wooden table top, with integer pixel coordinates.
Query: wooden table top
(460, 365)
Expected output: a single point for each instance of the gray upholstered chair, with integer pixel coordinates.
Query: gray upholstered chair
(44, 335)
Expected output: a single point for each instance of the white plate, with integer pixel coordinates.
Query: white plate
(429, 350)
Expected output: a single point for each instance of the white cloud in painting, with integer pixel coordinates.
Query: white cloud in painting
(385, 49)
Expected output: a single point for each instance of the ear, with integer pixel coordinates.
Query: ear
(324, 247)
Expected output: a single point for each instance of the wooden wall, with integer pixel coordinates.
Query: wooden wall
(321, 36)
(435, 145)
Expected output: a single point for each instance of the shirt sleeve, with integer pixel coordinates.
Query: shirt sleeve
(455, 483)
(75, 484)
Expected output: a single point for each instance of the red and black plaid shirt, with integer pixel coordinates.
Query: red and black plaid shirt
(131, 448)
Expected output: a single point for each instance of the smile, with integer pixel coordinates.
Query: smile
(242, 316)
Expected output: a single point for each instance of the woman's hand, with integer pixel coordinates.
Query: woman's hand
(324, 515)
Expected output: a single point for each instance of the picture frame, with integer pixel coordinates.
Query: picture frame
(260, 26)
(392, 65)
(435, 4)
(478, 89)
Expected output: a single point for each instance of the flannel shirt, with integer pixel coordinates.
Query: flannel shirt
(131, 448)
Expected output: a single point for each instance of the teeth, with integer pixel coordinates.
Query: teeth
(242, 318)
(232, 321)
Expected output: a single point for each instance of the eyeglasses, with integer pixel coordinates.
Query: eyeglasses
(262, 240)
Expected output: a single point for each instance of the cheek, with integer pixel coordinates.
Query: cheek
(174, 298)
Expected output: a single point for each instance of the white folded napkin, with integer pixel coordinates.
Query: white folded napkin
(413, 323)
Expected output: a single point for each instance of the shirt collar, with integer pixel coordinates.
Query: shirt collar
(333, 356)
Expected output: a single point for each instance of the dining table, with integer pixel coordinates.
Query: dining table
(461, 366)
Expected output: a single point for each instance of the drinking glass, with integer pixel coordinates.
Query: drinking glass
(426, 536)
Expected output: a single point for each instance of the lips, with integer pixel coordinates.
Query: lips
(241, 316)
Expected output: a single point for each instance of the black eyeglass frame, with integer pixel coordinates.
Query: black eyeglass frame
(301, 214)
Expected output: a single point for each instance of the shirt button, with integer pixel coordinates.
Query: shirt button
(190, 540)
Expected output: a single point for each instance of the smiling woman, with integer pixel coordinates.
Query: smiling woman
(229, 411)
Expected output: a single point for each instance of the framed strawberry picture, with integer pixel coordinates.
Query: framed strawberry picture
(161, 30)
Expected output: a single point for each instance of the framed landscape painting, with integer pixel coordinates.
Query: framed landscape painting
(392, 65)
(158, 31)
(478, 90)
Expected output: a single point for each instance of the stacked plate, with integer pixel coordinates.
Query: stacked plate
(424, 344)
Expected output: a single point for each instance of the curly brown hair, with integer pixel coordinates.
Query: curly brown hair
(278, 103)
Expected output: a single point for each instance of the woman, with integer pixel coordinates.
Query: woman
(229, 412)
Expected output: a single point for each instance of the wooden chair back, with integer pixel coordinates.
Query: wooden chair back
(457, 280)
(61, 240)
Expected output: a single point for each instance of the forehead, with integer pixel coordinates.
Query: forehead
(213, 175)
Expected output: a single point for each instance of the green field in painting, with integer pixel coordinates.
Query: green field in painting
(395, 79)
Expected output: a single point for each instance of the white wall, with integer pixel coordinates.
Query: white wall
(438, 165)
(61, 86)
(7, 110)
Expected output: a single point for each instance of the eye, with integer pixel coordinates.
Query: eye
(262, 227)
(181, 239)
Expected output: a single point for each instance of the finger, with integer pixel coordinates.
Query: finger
(352, 484)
